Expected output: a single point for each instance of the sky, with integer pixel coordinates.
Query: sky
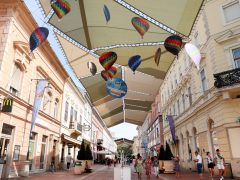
(123, 130)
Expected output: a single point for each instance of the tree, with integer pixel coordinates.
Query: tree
(168, 153)
(82, 152)
(127, 149)
(161, 153)
(88, 153)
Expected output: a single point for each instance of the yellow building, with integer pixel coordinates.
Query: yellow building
(18, 73)
(206, 109)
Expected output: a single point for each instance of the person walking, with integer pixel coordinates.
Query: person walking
(210, 164)
(198, 160)
(220, 161)
(138, 166)
(156, 166)
(69, 159)
(177, 165)
(148, 167)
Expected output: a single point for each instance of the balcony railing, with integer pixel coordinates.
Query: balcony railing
(75, 127)
(227, 78)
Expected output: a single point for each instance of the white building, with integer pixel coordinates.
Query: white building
(75, 113)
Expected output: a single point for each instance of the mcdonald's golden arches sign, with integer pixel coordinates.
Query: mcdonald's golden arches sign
(7, 105)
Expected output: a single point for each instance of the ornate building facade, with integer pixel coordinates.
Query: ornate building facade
(19, 74)
(205, 102)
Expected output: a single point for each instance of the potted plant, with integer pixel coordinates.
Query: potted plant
(168, 162)
(161, 159)
(81, 157)
(89, 156)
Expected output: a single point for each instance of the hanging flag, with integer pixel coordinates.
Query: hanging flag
(7, 104)
(172, 127)
(37, 101)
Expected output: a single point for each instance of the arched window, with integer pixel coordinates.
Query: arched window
(16, 80)
(47, 102)
(196, 139)
(189, 146)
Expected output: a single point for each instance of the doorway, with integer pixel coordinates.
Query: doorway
(5, 142)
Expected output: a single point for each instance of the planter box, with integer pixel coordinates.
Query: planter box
(90, 162)
(79, 169)
(169, 166)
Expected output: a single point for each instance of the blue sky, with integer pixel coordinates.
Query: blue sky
(124, 130)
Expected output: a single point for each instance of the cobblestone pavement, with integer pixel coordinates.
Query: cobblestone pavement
(101, 172)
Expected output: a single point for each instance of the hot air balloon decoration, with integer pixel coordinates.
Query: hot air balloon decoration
(157, 56)
(109, 74)
(134, 62)
(107, 59)
(37, 37)
(194, 54)
(173, 44)
(106, 13)
(92, 67)
(105, 75)
(60, 7)
(112, 71)
(141, 25)
(116, 87)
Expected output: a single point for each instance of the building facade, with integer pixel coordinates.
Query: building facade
(205, 104)
(19, 74)
(71, 121)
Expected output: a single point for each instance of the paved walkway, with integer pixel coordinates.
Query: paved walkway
(101, 172)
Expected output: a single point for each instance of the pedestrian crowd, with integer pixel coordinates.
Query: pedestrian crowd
(152, 165)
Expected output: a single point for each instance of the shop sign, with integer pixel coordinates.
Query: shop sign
(7, 104)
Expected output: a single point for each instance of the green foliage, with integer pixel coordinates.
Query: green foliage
(127, 149)
(88, 153)
(82, 153)
(161, 153)
(168, 153)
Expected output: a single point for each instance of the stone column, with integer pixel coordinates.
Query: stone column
(74, 152)
(65, 154)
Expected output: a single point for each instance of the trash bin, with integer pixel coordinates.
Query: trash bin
(228, 170)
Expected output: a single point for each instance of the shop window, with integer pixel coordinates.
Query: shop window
(31, 149)
(236, 57)
(43, 152)
(231, 11)
(16, 80)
